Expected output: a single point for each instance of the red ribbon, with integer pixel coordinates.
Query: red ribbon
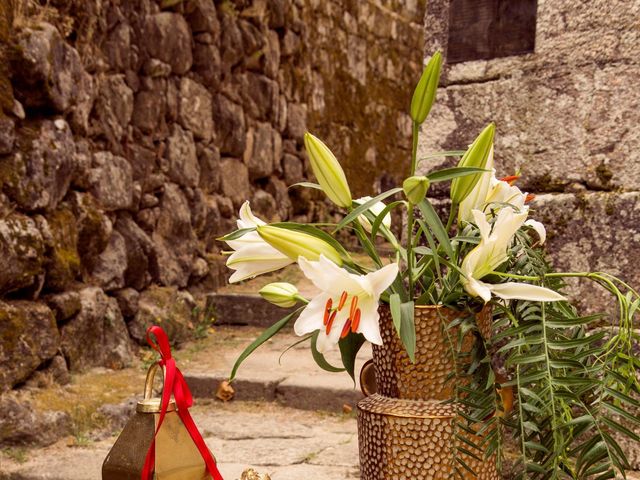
(174, 383)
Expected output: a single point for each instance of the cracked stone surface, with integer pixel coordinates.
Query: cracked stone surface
(286, 443)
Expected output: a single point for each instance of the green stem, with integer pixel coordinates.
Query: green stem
(410, 257)
(414, 148)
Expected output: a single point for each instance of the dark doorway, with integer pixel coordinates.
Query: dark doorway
(484, 29)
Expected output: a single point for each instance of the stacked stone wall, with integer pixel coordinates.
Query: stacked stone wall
(131, 131)
(568, 120)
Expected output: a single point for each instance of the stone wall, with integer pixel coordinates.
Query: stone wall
(131, 131)
(568, 119)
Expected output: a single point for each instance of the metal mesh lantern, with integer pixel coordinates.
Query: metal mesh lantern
(161, 441)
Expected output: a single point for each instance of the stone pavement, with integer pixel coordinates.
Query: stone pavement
(291, 378)
(289, 444)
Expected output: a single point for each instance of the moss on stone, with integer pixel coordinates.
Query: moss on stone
(63, 263)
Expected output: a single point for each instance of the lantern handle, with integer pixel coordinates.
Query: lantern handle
(150, 404)
(151, 376)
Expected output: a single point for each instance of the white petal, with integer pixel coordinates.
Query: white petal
(376, 209)
(476, 200)
(328, 277)
(327, 342)
(311, 318)
(246, 239)
(539, 228)
(255, 259)
(501, 192)
(481, 221)
(247, 218)
(524, 291)
(370, 321)
(476, 288)
(381, 279)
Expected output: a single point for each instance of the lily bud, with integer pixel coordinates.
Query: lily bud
(477, 156)
(281, 294)
(328, 171)
(425, 92)
(415, 188)
(298, 244)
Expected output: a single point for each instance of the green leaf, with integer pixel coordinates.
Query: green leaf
(349, 348)
(451, 173)
(396, 314)
(236, 234)
(266, 335)
(319, 357)
(408, 329)
(364, 207)
(315, 186)
(431, 218)
(621, 428)
(378, 221)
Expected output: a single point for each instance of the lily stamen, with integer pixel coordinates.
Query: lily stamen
(511, 179)
(529, 197)
(343, 300)
(356, 321)
(354, 306)
(330, 322)
(327, 311)
(346, 328)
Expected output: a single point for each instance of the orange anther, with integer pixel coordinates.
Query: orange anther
(327, 311)
(330, 322)
(346, 328)
(356, 321)
(529, 197)
(343, 300)
(511, 179)
(354, 305)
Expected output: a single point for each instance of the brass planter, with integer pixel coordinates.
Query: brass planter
(412, 439)
(405, 430)
(425, 379)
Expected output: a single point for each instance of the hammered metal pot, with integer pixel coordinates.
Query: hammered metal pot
(426, 379)
(405, 431)
(412, 439)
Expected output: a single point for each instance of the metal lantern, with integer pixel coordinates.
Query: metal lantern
(161, 441)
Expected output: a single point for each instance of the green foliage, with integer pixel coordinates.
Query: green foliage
(574, 379)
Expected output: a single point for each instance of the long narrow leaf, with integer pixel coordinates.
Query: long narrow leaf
(319, 357)
(431, 218)
(451, 173)
(266, 335)
(364, 207)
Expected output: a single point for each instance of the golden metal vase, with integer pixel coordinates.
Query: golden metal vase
(405, 430)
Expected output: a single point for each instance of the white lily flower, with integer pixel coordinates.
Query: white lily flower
(347, 302)
(491, 252)
(253, 256)
(376, 209)
(495, 193)
(477, 199)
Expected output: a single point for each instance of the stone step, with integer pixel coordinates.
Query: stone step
(243, 309)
